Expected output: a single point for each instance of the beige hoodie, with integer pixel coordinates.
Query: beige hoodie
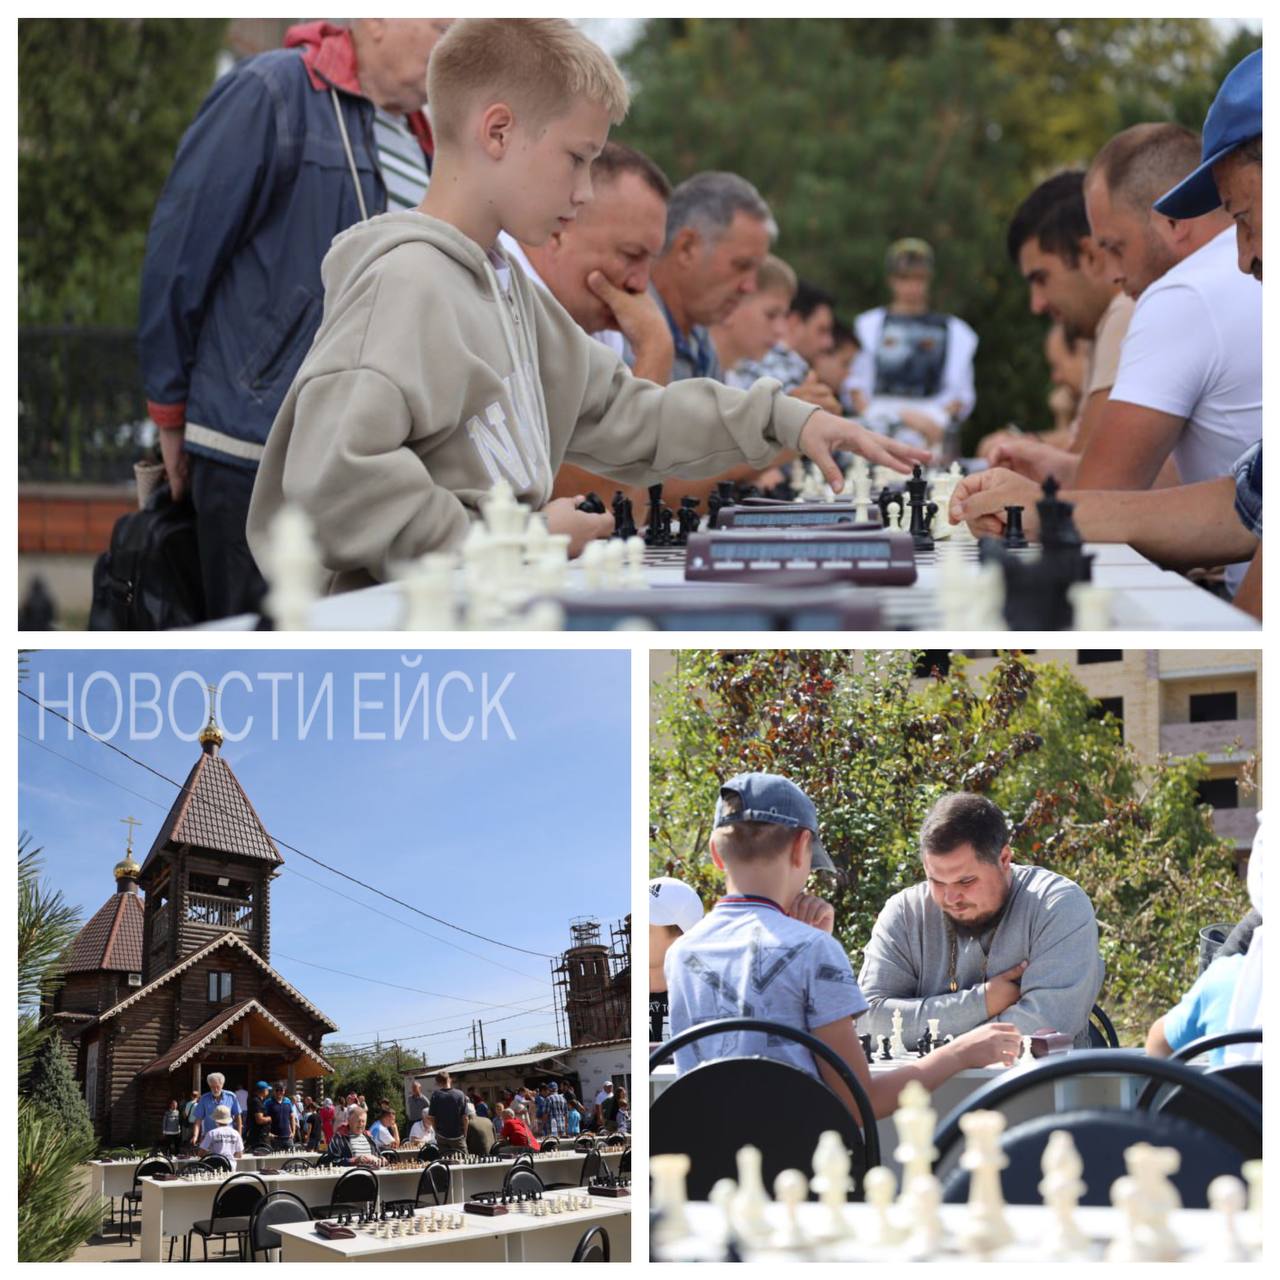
(427, 383)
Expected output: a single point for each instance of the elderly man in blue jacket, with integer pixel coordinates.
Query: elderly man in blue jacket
(288, 149)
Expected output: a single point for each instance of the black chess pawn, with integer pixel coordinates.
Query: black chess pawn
(688, 520)
(867, 1048)
(885, 1055)
(924, 1046)
(1014, 537)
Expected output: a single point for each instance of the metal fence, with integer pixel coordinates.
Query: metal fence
(82, 415)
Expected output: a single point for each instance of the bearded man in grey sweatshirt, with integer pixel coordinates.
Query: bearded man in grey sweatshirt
(982, 937)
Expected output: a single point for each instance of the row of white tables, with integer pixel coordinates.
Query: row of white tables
(170, 1207)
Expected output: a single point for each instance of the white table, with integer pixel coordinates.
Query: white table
(113, 1178)
(511, 1237)
(1145, 597)
(1030, 1224)
(169, 1208)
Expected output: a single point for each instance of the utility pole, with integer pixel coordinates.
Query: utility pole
(483, 1054)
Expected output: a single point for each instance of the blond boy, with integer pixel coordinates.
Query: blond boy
(438, 370)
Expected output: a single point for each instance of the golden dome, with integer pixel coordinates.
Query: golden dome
(126, 868)
(211, 735)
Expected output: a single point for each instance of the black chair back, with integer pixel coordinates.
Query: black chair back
(296, 1165)
(707, 1100)
(279, 1207)
(593, 1247)
(1102, 1136)
(550, 1144)
(356, 1186)
(504, 1150)
(262, 1150)
(238, 1197)
(524, 1156)
(436, 1178)
(585, 1143)
(1102, 1034)
(215, 1164)
(590, 1170)
(521, 1180)
(149, 1167)
(624, 1164)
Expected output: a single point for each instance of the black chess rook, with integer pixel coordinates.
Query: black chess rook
(1014, 537)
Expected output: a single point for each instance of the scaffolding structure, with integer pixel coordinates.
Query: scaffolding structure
(592, 983)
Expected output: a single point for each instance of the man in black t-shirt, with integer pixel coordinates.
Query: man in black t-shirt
(258, 1128)
(448, 1108)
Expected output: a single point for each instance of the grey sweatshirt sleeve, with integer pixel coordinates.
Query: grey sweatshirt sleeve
(1064, 970)
(890, 980)
(607, 420)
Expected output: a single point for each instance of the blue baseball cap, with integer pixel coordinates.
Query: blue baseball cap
(1235, 117)
(768, 797)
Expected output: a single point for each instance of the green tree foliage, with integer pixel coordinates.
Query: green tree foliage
(875, 748)
(374, 1075)
(52, 1086)
(53, 1217)
(102, 104)
(861, 131)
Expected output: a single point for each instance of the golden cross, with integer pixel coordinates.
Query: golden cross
(131, 823)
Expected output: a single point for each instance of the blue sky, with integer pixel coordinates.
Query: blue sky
(509, 834)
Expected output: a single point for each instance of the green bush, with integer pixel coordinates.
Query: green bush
(874, 748)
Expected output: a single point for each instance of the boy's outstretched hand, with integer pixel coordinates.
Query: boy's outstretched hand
(582, 527)
(824, 433)
(988, 1044)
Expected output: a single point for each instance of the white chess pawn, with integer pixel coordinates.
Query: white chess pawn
(1061, 1189)
(986, 1230)
(293, 568)
(667, 1174)
(896, 1046)
(921, 1205)
(427, 587)
(634, 578)
(986, 596)
(721, 1197)
(878, 1187)
(831, 1181)
(1227, 1200)
(791, 1187)
(1252, 1170)
(935, 1030)
(1090, 607)
(613, 563)
(592, 560)
(1025, 1055)
(749, 1204)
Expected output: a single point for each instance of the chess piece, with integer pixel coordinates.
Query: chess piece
(986, 1230)
(860, 486)
(1227, 1200)
(831, 1181)
(427, 589)
(1252, 1170)
(924, 1045)
(1057, 525)
(654, 525)
(885, 1055)
(935, 1030)
(624, 520)
(921, 1204)
(890, 498)
(592, 504)
(1014, 537)
(613, 563)
(878, 1186)
(1061, 1189)
(667, 1174)
(896, 1045)
(293, 568)
(592, 560)
(749, 1204)
(867, 1048)
(922, 510)
(987, 594)
(791, 1187)
(688, 519)
(1145, 1198)
(1090, 607)
(1024, 1052)
(914, 1120)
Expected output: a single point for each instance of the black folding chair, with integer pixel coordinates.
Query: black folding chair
(550, 1144)
(215, 1164)
(233, 1204)
(434, 1179)
(1102, 1034)
(1246, 1076)
(521, 1180)
(593, 1247)
(356, 1192)
(262, 1150)
(131, 1201)
(278, 1208)
(296, 1165)
(1103, 1134)
(586, 1142)
(707, 1101)
(624, 1164)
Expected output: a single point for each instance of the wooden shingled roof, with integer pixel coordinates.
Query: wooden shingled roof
(112, 939)
(213, 812)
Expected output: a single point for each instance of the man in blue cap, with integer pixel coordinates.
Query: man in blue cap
(1192, 525)
(766, 950)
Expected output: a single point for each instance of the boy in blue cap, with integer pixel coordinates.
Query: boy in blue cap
(765, 950)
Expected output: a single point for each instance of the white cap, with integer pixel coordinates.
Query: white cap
(673, 902)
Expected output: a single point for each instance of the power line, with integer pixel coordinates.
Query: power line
(382, 915)
(181, 787)
(434, 1035)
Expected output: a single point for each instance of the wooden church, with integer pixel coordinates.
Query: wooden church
(165, 988)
